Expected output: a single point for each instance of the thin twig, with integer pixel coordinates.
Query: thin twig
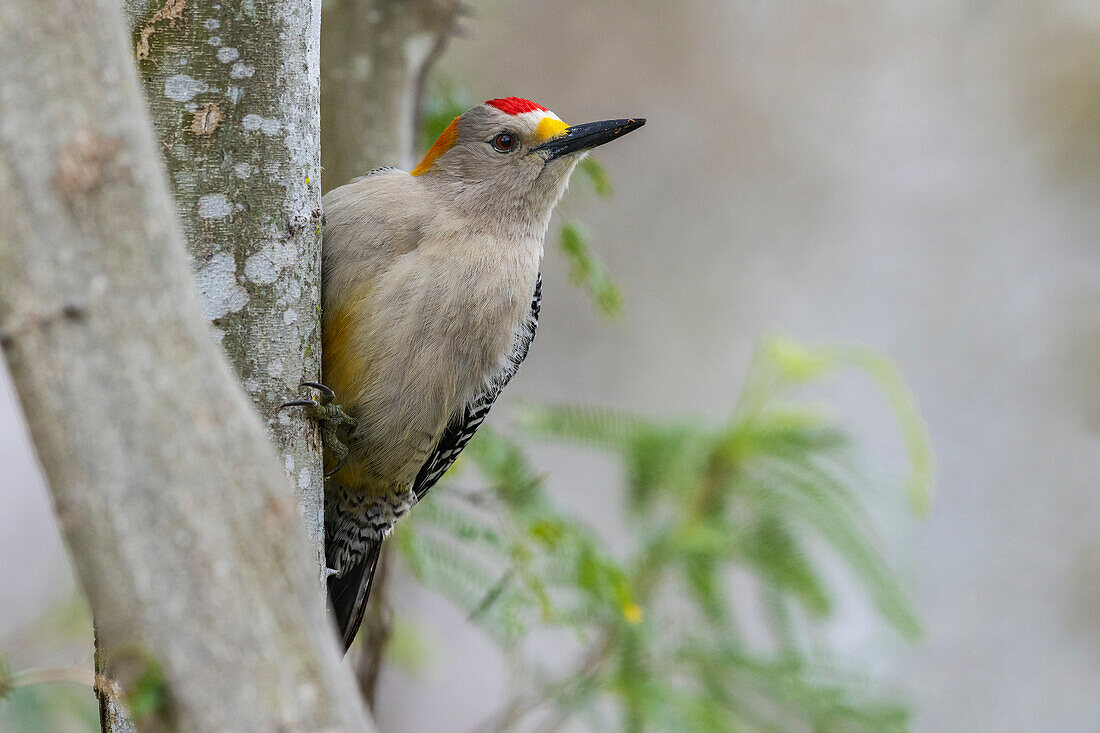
(28, 677)
(523, 705)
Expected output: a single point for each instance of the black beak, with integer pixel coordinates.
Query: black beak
(589, 135)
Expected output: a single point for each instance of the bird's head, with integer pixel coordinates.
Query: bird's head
(509, 160)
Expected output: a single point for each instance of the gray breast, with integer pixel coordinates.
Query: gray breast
(469, 419)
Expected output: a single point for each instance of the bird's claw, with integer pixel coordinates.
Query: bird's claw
(331, 421)
(299, 403)
(341, 460)
(327, 395)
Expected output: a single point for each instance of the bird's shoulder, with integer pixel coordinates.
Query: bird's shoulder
(387, 209)
(376, 172)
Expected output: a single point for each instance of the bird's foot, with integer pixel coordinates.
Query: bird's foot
(331, 420)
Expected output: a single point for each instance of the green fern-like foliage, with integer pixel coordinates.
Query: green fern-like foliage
(657, 637)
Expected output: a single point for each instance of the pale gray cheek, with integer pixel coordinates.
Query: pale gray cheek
(555, 177)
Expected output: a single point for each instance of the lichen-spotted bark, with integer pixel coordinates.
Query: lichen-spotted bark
(233, 89)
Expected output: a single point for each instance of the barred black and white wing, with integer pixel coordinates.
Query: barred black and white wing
(463, 427)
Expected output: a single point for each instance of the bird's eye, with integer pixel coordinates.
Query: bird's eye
(504, 142)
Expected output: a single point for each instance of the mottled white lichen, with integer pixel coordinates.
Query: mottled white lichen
(227, 54)
(292, 288)
(214, 206)
(181, 152)
(241, 70)
(218, 288)
(185, 178)
(265, 266)
(266, 125)
(182, 88)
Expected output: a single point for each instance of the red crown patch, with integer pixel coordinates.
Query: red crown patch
(515, 105)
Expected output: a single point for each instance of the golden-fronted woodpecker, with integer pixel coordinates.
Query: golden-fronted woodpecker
(430, 294)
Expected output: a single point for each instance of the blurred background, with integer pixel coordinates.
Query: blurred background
(919, 177)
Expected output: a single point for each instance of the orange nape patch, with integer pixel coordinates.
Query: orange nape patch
(445, 142)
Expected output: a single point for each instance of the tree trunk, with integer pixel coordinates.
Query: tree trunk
(172, 501)
(374, 57)
(233, 89)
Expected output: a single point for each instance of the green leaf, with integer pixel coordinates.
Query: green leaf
(773, 550)
(587, 271)
(600, 428)
(666, 462)
(797, 363)
(922, 469)
(803, 501)
(597, 176)
(148, 694)
(706, 585)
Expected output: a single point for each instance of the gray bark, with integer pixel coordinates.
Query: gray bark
(174, 505)
(113, 715)
(233, 90)
(374, 56)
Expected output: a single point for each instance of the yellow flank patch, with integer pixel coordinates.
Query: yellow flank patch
(549, 127)
(445, 142)
(340, 365)
(343, 369)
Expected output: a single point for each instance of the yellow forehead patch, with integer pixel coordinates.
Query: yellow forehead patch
(549, 127)
(445, 142)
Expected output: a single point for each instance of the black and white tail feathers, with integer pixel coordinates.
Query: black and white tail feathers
(349, 591)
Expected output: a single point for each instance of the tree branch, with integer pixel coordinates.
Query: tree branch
(374, 56)
(176, 511)
(233, 94)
